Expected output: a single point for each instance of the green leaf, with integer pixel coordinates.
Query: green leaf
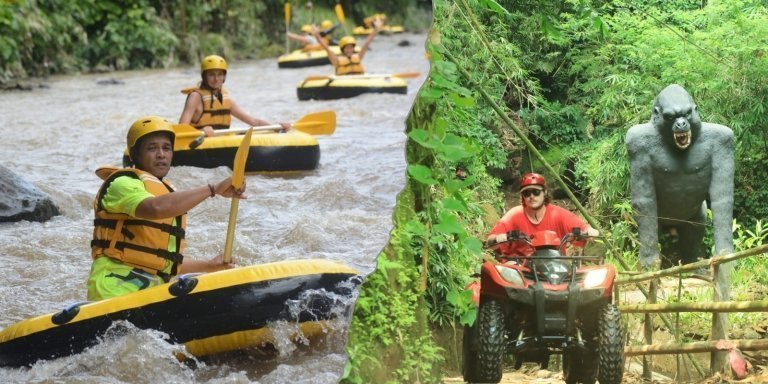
(384, 264)
(548, 28)
(416, 227)
(418, 135)
(422, 174)
(494, 6)
(468, 318)
(462, 101)
(473, 245)
(454, 204)
(441, 126)
(454, 185)
(448, 224)
(453, 298)
(431, 93)
(453, 153)
(424, 138)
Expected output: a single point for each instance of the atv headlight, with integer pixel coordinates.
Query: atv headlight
(510, 275)
(595, 277)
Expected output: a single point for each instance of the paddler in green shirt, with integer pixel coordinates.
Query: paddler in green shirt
(138, 235)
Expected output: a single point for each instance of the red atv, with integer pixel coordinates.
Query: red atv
(543, 302)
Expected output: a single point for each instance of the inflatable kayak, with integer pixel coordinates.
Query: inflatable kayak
(301, 58)
(338, 87)
(208, 313)
(269, 152)
(385, 29)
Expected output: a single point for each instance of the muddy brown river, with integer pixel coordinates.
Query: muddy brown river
(56, 136)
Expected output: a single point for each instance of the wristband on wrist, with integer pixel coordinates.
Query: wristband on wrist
(213, 190)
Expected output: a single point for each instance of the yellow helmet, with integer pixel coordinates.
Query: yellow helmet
(326, 24)
(306, 28)
(213, 62)
(145, 126)
(347, 40)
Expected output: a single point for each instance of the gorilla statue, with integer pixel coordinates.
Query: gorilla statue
(677, 164)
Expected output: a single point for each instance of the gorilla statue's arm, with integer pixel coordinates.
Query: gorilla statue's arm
(639, 140)
(721, 188)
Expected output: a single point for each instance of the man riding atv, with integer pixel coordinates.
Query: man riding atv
(535, 213)
(534, 300)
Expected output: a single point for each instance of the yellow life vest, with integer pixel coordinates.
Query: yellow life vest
(317, 46)
(138, 242)
(312, 48)
(216, 108)
(349, 65)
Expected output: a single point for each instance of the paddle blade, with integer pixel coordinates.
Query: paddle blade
(402, 75)
(407, 75)
(318, 123)
(340, 13)
(287, 13)
(238, 168)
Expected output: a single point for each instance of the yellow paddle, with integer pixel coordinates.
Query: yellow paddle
(317, 123)
(238, 179)
(340, 16)
(340, 13)
(403, 75)
(287, 22)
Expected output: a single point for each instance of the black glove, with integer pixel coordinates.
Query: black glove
(514, 235)
(328, 31)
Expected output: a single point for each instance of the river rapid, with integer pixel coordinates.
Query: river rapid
(56, 136)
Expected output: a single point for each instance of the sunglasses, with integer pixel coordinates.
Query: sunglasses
(529, 192)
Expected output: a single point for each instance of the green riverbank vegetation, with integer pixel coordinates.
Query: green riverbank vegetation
(45, 37)
(565, 79)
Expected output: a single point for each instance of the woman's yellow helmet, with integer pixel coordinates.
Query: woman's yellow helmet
(213, 62)
(326, 24)
(347, 40)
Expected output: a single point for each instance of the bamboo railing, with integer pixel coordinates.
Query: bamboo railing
(721, 304)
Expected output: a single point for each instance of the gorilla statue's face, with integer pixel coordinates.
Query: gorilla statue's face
(675, 116)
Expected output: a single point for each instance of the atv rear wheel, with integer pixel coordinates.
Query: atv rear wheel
(610, 345)
(491, 341)
(469, 363)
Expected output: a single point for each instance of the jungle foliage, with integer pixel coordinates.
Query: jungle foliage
(573, 76)
(45, 37)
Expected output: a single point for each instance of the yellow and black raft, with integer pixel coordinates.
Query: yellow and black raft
(307, 58)
(208, 313)
(269, 151)
(339, 87)
(384, 30)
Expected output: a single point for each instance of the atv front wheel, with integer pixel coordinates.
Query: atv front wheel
(491, 341)
(610, 345)
(579, 367)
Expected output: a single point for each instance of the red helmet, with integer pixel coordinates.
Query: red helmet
(531, 179)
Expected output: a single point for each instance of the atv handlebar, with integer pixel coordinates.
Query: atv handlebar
(576, 237)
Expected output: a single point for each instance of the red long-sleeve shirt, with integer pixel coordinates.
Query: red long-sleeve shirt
(559, 220)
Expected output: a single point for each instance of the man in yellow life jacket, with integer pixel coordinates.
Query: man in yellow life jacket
(209, 106)
(349, 62)
(308, 41)
(138, 235)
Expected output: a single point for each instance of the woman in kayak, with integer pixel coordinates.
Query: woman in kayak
(348, 62)
(209, 106)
